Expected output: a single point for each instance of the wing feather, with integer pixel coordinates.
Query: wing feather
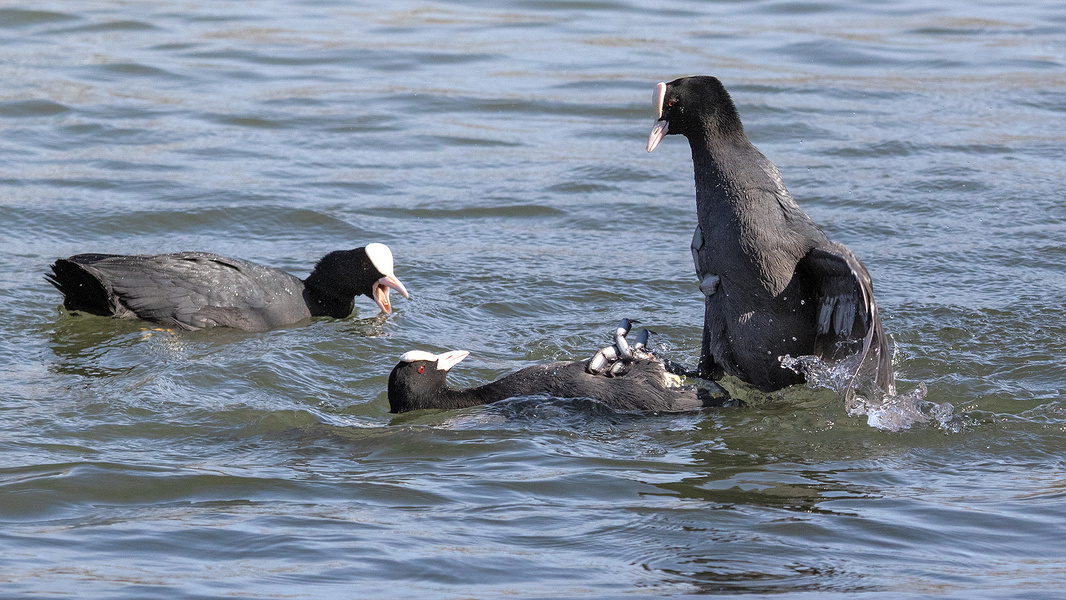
(191, 290)
(848, 319)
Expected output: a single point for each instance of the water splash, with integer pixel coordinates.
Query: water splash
(889, 411)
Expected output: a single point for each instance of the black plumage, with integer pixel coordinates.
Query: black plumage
(775, 284)
(197, 290)
(419, 381)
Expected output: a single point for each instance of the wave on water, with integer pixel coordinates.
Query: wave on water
(889, 411)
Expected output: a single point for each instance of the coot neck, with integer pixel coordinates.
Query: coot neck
(324, 304)
(724, 173)
(523, 382)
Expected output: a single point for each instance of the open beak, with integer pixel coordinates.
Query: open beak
(450, 359)
(381, 292)
(657, 134)
(661, 125)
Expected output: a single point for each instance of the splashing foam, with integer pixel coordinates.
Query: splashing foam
(888, 411)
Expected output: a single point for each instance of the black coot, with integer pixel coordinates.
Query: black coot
(774, 283)
(196, 290)
(419, 381)
(623, 377)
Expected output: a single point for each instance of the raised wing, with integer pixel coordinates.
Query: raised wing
(848, 321)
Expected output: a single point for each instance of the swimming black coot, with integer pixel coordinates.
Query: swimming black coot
(626, 378)
(196, 290)
(774, 283)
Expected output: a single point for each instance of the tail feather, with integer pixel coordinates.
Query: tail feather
(82, 291)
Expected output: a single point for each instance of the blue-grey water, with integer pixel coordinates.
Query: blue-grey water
(498, 148)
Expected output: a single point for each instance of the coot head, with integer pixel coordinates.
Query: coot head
(693, 106)
(420, 378)
(363, 271)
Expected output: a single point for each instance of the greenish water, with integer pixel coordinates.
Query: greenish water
(498, 149)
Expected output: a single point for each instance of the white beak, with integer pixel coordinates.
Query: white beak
(657, 134)
(451, 358)
(381, 292)
(661, 126)
(445, 360)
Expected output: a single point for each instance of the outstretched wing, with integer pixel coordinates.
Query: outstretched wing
(848, 321)
(191, 290)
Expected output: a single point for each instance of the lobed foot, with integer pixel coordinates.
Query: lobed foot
(614, 359)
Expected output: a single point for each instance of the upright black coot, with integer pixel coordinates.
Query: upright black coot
(196, 290)
(774, 283)
(419, 382)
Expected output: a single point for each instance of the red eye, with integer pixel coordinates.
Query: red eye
(422, 368)
(671, 103)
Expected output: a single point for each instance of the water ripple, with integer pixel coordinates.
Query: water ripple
(499, 150)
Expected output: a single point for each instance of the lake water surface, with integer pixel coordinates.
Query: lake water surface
(498, 149)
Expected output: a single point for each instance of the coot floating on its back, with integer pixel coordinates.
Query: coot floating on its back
(635, 380)
(774, 283)
(196, 290)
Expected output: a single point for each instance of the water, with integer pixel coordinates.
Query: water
(498, 149)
